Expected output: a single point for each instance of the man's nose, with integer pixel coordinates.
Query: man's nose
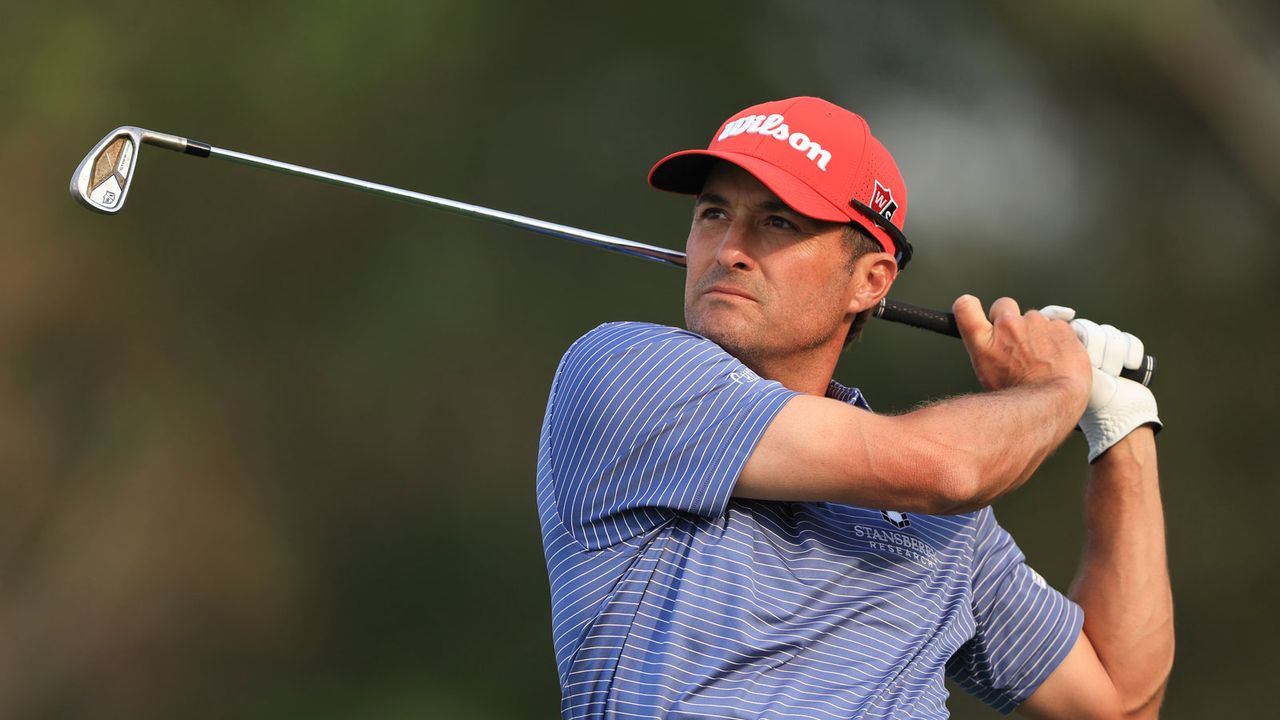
(734, 248)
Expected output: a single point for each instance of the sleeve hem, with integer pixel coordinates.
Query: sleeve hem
(761, 417)
(1027, 690)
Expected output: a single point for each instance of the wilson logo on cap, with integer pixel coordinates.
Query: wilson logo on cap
(775, 126)
(882, 201)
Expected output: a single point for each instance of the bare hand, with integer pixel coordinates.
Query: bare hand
(1016, 349)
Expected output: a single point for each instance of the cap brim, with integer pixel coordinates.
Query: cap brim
(685, 172)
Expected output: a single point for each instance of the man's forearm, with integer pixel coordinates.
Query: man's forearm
(999, 438)
(1123, 581)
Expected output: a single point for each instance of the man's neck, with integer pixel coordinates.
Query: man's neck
(809, 372)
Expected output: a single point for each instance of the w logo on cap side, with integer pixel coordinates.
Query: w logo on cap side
(882, 201)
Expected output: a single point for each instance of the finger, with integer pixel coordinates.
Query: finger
(1090, 335)
(1136, 353)
(1058, 312)
(1004, 307)
(970, 320)
(1114, 350)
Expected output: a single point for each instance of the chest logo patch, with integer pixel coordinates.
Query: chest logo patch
(895, 542)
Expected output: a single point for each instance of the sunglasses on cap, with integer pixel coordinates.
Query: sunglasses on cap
(903, 256)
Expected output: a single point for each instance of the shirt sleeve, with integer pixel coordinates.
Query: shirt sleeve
(647, 421)
(1024, 627)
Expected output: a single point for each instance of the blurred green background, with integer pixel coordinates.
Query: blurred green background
(256, 434)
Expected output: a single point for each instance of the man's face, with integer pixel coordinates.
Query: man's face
(763, 281)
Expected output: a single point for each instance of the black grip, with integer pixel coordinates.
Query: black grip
(945, 323)
(919, 317)
(1144, 373)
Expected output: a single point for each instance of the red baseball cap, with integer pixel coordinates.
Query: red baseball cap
(818, 158)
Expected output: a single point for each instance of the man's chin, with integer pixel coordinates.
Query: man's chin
(734, 337)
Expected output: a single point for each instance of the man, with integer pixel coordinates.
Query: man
(730, 533)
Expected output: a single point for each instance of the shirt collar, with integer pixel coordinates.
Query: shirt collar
(853, 396)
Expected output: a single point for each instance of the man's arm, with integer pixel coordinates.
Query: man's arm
(1121, 662)
(952, 456)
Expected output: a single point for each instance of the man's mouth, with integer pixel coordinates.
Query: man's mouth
(723, 289)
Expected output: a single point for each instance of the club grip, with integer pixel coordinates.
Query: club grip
(918, 317)
(945, 323)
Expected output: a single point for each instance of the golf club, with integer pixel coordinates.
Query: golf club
(101, 183)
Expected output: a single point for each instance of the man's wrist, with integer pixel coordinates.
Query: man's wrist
(1116, 408)
(1136, 448)
(1070, 395)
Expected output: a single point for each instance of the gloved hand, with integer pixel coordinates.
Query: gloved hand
(1117, 406)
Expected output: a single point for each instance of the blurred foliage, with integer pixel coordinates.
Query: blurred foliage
(267, 447)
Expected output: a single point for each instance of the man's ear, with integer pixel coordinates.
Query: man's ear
(873, 275)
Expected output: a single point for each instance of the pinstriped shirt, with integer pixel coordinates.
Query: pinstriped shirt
(671, 599)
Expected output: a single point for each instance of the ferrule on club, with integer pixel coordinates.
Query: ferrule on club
(163, 140)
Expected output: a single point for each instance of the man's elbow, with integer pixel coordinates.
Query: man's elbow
(931, 469)
(961, 490)
(1145, 700)
(952, 485)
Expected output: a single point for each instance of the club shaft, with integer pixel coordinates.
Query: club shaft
(586, 237)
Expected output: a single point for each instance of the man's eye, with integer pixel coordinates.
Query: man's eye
(781, 223)
(711, 213)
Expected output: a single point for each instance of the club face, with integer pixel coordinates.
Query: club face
(102, 180)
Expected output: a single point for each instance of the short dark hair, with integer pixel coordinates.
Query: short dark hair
(858, 243)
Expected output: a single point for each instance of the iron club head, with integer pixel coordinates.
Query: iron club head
(101, 181)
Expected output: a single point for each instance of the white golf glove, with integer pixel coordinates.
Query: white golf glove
(1117, 406)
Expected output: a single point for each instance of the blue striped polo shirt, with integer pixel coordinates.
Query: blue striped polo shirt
(672, 599)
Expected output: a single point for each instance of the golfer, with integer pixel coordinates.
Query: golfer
(730, 533)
